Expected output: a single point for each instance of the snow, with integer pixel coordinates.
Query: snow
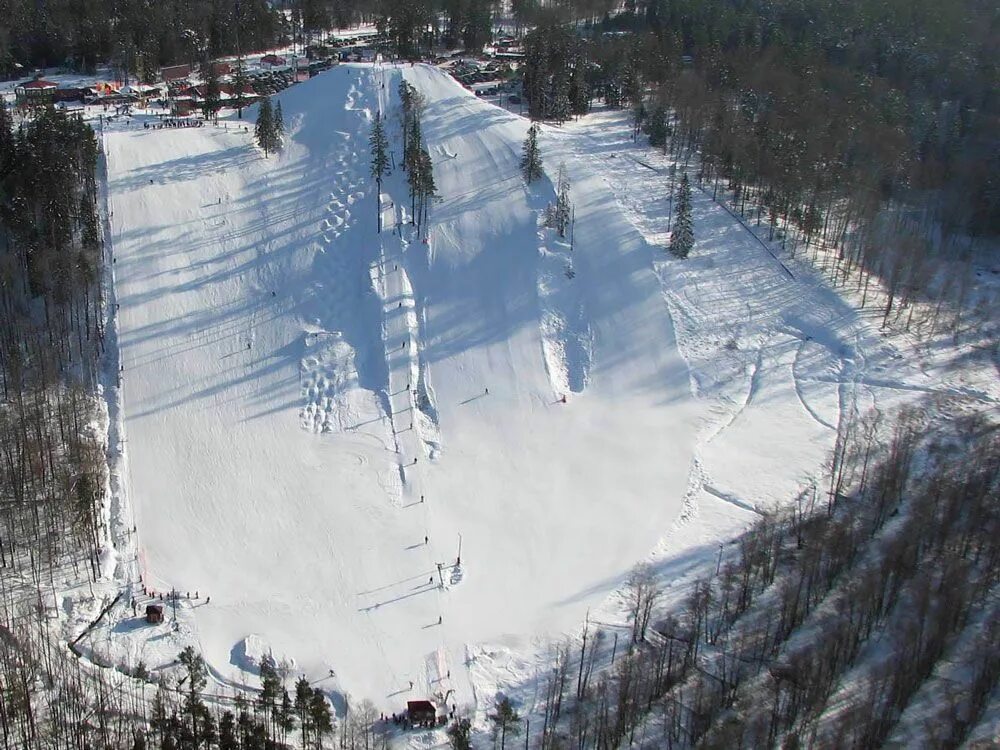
(307, 402)
(242, 322)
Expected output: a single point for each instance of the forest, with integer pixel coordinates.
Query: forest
(823, 114)
(866, 128)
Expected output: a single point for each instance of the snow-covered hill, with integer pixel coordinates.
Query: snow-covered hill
(318, 417)
(306, 401)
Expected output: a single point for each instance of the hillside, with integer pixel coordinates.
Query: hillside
(319, 419)
(268, 341)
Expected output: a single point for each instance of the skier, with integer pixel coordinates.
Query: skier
(425, 540)
(439, 619)
(487, 391)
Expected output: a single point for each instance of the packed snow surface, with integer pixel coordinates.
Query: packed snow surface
(317, 416)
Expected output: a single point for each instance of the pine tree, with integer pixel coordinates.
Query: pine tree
(240, 83)
(279, 128)
(194, 707)
(427, 187)
(460, 735)
(505, 721)
(531, 160)
(682, 237)
(213, 93)
(303, 699)
(559, 215)
(579, 91)
(380, 160)
(264, 130)
(320, 716)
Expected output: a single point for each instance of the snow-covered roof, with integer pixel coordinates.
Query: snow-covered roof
(40, 84)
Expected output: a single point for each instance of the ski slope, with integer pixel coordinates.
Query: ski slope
(317, 416)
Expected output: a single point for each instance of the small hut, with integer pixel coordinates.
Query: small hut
(154, 614)
(421, 713)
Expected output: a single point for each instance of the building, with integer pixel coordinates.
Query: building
(221, 68)
(154, 614)
(421, 713)
(175, 72)
(34, 91)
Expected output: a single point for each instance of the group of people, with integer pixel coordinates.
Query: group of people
(173, 123)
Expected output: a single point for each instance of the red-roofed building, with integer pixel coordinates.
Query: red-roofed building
(175, 72)
(36, 90)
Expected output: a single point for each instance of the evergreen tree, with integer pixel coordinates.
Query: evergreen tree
(579, 90)
(428, 189)
(194, 707)
(303, 698)
(460, 735)
(228, 739)
(213, 99)
(406, 92)
(559, 215)
(240, 83)
(380, 160)
(531, 160)
(505, 721)
(320, 716)
(682, 237)
(264, 130)
(279, 127)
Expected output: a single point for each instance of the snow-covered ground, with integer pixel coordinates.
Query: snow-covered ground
(309, 431)
(277, 460)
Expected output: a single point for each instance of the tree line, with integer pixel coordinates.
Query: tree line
(53, 465)
(858, 128)
(136, 35)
